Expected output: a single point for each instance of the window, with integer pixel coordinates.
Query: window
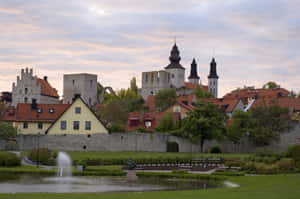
(26, 91)
(73, 82)
(88, 125)
(25, 125)
(40, 125)
(51, 110)
(40, 110)
(146, 77)
(176, 109)
(76, 125)
(25, 100)
(173, 76)
(148, 124)
(91, 83)
(78, 110)
(90, 101)
(63, 125)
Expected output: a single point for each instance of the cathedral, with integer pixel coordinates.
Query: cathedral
(173, 76)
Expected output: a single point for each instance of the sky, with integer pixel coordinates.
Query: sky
(253, 41)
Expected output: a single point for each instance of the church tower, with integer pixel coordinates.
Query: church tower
(213, 78)
(176, 70)
(194, 78)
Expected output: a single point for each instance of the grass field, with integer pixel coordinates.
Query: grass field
(252, 187)
(79, 155)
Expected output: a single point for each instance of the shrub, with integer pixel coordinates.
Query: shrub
(9, 159)
(216, 149)
(286, 165)
(42, 156)
(295, 152)
(288, 152)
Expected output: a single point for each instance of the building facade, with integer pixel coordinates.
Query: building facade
(81, 84)
(173, 76)
(30, 87)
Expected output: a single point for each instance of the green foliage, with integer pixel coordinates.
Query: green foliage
(205, 122)
(270, 85)
(7, 131)
(143, 130)
(296, 155)
(116, 128)
(241, 124)
(289, 151)
(167, 123)
(165, 99)
(200, 94)
(43, 156)
(266, 124)
(9, 159)
(215, 149)
(180, 171)
(113, 112)
(133, 86)
(286, 165)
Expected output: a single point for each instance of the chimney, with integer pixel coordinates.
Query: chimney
(45, 78)
(34, 104)
(76, 95)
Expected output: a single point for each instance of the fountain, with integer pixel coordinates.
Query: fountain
(64, 164)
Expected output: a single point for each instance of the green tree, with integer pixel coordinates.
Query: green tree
(167, 123)
(133, 86)
(266, 124)
(270, 85)
(241, 125)
(200, 94)
(114, 113)
(165, 99)
(7, 131)
(2, 110)
(203, 123)
(130, 100)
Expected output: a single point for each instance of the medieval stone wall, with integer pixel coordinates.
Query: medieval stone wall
(156, 142)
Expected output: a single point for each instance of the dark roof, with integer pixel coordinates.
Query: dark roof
(213, 69)
(194, 74)
(174, 59)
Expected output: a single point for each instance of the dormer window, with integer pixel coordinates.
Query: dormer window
(39, 110)
(51, 110)
(148, 124)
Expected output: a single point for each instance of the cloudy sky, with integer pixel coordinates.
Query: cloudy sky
(254, 41)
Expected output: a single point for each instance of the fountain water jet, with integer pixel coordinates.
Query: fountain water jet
(64, 164)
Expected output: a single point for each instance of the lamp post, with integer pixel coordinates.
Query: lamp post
(38, 150)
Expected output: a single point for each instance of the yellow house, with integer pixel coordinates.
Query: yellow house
(77, 119)
(34, 118)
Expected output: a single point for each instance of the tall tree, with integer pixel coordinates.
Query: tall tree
(270, 85)
(267, 123)
(133, 86)
(167, 123)
(205, 122)
(240, 127)
(165, 98)
(200, 94)
(113, 112)
(7, 131)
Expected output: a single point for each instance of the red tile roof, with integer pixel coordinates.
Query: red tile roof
(140, 118)
(194, 86)
(227, 104)
(25, 113)
(253, 93)
(150, 102)
(47, 89)
(284, 102)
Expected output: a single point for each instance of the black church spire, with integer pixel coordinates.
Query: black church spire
(213, 69)
(174, 58)
(194, 74)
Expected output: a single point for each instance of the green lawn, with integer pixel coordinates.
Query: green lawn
(252, 187)
(79, 155)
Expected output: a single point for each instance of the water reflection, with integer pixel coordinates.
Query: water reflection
(37, 183)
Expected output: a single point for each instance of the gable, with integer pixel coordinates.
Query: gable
(70, 116)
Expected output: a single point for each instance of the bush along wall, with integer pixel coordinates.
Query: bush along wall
(9, 159)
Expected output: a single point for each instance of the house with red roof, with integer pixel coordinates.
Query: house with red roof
(29, 87)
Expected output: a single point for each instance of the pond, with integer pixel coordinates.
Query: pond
(37, 183)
